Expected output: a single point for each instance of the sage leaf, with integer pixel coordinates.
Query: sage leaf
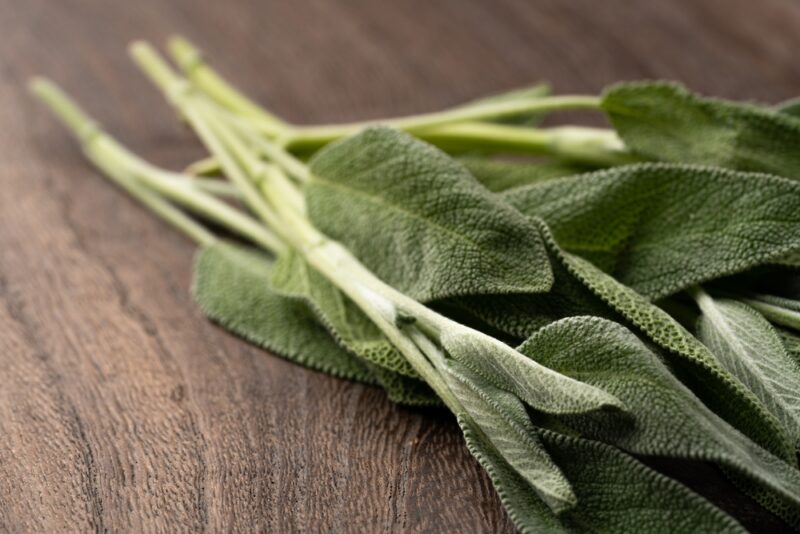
(420, 221)
(664, 121)
(790, 107)
(507, 369)
(616, 492)
(502, 419)
(231, 286)
(661, 228)
(750, 349)
(293, 278)
(668, 420)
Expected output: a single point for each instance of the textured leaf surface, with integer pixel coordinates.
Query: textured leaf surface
(500, 176)
(507, 369)
(664, 121)
(505, 424)
(231, 286)
(661, 228)
(668, 420)
(751, 350)
(616, 493)
(581, 289)
(420, 221)
(292, 277)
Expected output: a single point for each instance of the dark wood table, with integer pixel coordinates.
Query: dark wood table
(121, 408)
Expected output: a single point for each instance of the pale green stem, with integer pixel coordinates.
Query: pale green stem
(776, 314)
(190, 60)
(178, 91)
(594, 146)
(314, 136)
(119, 163)
(207, 166)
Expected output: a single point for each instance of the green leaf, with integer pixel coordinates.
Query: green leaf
(582, 289)
(691, 361)
(420, 221)
(750, 349)
(502, 419)
(661, 228)
(293, 278)
(668, 420)
(507, 369)
(231, 286)
(616, 493)
(664, 121)
(500, 176)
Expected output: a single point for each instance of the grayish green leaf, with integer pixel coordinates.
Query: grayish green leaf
(616, 493)
(661, 228)
(750, 349)
(664, 121)
(502, 419)
(231, 286)
(668, 420)
(420, 221)
(507, 369)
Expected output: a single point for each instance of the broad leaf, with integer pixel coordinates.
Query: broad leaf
(231, 286)
(664, 121)
(668, 420)
(751, 350)
(661, 228)
(500, 176)
(420, 221)
(580, 289)
(292, 277)
(616, 493)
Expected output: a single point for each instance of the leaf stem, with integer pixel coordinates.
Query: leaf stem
(190, 60)
(315, 136)
(141, 178)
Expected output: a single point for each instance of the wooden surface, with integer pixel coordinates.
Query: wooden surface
(121, 408)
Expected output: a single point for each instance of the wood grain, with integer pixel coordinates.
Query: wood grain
(121, 408)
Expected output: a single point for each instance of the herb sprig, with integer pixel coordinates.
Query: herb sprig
(632, 293)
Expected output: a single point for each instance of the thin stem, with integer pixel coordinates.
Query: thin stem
(593, 146)
(136, 175)
(314, 136)
(191, 61)
(178, 91)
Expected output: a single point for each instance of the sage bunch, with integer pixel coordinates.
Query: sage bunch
(613, 300)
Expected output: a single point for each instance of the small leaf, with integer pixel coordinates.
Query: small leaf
(420, 221)
(668, 420)
(664, 121)
(507, 369)
(751, 350)
(525, 93)
(231, 286)
(661, 228)
(293, 278)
